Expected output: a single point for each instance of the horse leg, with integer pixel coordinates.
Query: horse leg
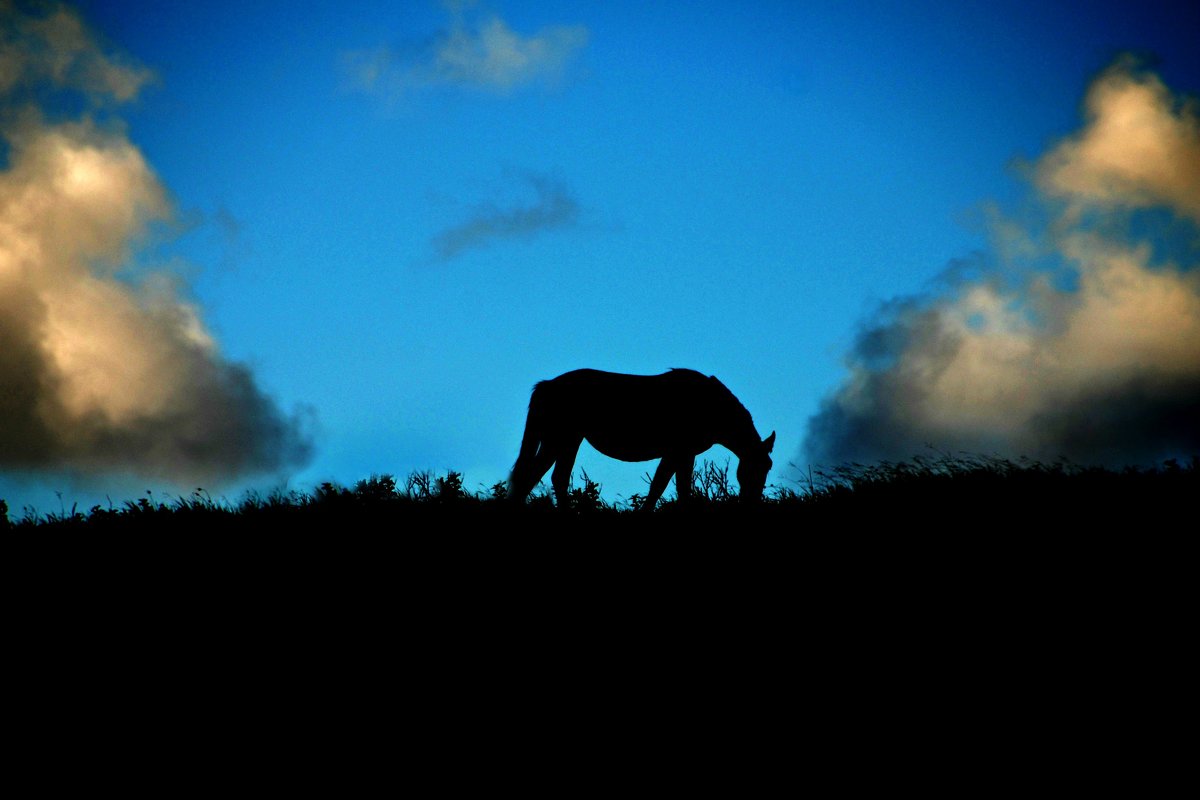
(658, 484)
(683, 478)
(561, 478)
(526, 475)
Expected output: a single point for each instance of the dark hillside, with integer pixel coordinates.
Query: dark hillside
(922, 603)
(965, 496)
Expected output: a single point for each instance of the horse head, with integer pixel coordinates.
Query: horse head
(753, 465)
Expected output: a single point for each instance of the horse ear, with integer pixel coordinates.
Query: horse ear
(769, 442)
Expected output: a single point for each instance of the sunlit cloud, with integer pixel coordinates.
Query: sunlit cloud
(101, 373)
(1140, 148)
(553, 207)
(484, 53)
(1079, 338)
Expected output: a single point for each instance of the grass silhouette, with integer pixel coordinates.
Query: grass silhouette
(942, 493)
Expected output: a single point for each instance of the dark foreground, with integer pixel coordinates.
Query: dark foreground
(952, 625)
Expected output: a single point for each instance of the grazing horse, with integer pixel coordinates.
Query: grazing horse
(674, 416)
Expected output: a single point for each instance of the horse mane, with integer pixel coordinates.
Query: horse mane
(721, 390)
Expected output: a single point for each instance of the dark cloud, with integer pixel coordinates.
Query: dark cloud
(1142, 419)
(24, 379)
(552, 208)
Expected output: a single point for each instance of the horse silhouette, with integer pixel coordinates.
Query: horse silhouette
(674, 416)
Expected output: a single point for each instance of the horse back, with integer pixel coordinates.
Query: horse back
(622, 414)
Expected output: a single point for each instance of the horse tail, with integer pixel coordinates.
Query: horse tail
(533, 425)
(534, 430)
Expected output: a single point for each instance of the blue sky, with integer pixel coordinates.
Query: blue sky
(399, 224)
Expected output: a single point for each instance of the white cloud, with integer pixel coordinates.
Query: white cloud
(497, 57)
(488, 55)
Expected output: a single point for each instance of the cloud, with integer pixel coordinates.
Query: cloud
(487, 55)
(56, 49)
(1079, 338)
(553, 208)
(1140, 148)
(101, 373)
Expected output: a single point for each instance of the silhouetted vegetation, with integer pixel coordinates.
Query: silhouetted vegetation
(937, 494)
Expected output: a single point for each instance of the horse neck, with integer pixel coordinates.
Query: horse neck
(733, 424)
(740, 437)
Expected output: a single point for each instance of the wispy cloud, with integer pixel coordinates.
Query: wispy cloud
(481, 53)
(56, 49)
(1076, 338)
(553, 207)
(99, 372)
